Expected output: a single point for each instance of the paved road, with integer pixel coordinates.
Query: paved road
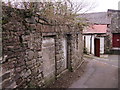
(100, 73)
(109, 59)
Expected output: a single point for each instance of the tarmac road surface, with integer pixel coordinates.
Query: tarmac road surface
(100, 73)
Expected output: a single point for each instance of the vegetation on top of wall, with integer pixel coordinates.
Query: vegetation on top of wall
(64, 12)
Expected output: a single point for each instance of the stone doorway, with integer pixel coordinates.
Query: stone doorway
(48, 52)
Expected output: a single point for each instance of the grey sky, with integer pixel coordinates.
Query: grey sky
(107, 4)
(104, 5)
(101, 5)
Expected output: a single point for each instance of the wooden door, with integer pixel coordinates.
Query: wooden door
(116, 40)
(97, 47)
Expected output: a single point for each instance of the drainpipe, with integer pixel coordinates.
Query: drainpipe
(91, 44)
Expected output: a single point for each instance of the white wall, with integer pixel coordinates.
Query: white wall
(101, 45)
(93, 37)
(87, 42)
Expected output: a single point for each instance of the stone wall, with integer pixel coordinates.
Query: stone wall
(114, 17)
(27, 51)
(76, 50)
(59, 54)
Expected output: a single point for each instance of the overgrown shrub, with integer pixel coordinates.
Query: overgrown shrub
(85, 51)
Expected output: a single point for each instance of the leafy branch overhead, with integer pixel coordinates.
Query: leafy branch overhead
(55, 12)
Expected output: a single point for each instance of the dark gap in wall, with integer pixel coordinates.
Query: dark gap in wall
(20, 38)
(69, 37)
(52, 36)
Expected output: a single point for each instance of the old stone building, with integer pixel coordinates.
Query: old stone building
(113, 31)
(35, 54)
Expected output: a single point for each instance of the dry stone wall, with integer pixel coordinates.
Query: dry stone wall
(24, 51)
(76, 50)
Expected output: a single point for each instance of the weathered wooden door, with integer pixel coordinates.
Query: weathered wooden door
(48, 52)
(97, 47)
(116, 40)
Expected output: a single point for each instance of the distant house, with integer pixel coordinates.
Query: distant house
(96, 31)
(105, 27)
(92, 32)
(113, 31)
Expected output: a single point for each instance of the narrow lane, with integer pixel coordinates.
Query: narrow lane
(100, 73)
